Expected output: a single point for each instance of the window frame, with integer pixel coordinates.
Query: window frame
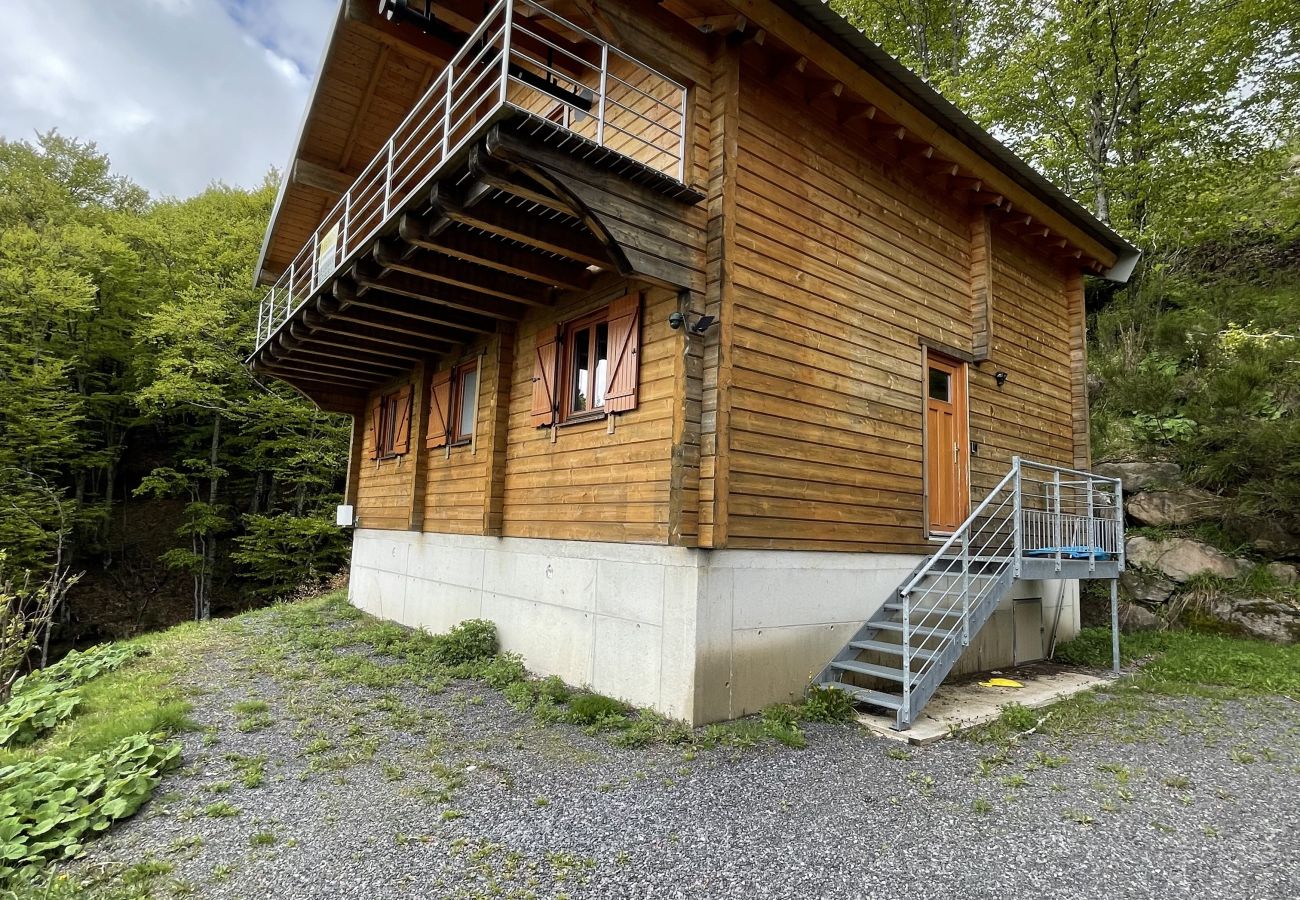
(568, 368)
(390, 415)
(456, 437)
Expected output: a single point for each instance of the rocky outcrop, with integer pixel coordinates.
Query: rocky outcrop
(1147, 586)
(1141, 476)
(1269, 620)
(1178, 559)
(1136, 617)
(1269, 538)
(1283, 573)
(1173, 508)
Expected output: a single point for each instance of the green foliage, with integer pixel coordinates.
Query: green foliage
(473, 640)
(1018, 718)
(41, 700)
(49, 807)
(826, 704)
(505, 669)
(283, 552)
(588, 709)
(780, 721)
(1186, 660)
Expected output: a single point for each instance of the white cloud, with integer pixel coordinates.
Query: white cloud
(179, 93)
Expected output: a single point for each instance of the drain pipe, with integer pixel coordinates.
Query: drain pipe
(1056, 619)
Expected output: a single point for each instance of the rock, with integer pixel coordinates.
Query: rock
(1267, 620)
(1136, 617)
(1180, 558)
(1146, 586)
(1181, 507)
(1284, 573)
(1269, 538)
(1141, 476)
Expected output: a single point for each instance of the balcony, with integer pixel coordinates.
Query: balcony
(529, 165)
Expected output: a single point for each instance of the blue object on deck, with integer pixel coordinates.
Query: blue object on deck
(1071, 552)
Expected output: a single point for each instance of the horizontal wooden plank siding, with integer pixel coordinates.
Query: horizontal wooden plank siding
(385, 486)
(586, 483)
(845, 268)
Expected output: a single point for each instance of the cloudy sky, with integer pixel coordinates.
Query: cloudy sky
(179, 93)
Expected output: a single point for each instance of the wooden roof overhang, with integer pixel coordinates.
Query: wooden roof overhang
(806, 47)
(525, 214)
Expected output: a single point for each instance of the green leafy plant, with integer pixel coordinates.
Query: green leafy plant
(473, 640)
(826, 704)
(41, 700)
(588, 709)
(49, 807)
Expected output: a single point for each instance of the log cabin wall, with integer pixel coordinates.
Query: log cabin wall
(844, 265)
(580, 481)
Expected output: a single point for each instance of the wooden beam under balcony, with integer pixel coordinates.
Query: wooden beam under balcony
(368, 277)
(396, 308)
(301, 351)
(395, 256)
(557, 234)
(495, 254)
(351, 344)
(489, 172)
(316, 327)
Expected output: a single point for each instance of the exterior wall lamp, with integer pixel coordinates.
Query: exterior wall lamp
(702, 324)
(1000, 378)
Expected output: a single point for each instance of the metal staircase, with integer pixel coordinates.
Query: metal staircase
(1040, 522)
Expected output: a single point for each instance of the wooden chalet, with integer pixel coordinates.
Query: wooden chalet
(696, 343)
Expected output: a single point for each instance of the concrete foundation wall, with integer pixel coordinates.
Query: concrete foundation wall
(698, 635)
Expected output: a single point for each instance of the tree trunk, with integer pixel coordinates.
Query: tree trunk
(210, 539)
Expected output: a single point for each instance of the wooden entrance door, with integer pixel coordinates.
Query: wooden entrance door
(947, 449)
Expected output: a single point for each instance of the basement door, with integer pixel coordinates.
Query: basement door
(947, 449)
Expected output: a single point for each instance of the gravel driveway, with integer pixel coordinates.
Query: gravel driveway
(317, 787)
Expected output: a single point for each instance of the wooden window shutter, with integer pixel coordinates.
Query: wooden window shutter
(402, 434)
(376, 427)
(544, 360)
(624, 353)
(439, 411)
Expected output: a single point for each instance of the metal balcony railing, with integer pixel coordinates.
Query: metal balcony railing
(511, 62)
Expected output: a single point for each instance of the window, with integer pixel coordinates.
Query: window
(940, 385)
(390, 424)
(453, 406)
(588, 368)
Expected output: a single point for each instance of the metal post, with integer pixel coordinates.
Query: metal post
(1017, 535)
(681, 142)
(1114, 625)
(1056, 516)
(345, 226)
(600, 104)
(1090, 531)
(388, 176)
(1120, 550)
(906, 712)
(507, 44)
(965, 586)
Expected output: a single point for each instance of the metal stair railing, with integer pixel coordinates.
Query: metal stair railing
(507, 64)
(1037, 511)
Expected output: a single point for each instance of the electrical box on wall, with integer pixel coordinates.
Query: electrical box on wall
(344, 516)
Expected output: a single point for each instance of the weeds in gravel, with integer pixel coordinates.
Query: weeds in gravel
(221, 810)
(981, 805)
(263, 839)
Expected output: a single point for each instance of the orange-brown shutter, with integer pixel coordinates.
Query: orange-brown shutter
(376, 426)
(439, 411)
(544, 379)
(624, 353)
(402, 435)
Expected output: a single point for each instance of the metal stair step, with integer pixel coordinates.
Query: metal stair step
(887, 672)
(894, 606)
(917, 630)
(887, 647)
(863, 695)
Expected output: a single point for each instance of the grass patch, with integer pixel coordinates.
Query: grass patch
(1183, 662)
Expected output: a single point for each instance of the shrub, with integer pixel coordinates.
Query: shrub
(589, 709)
(554, 689)
(49, 808)
(505, 669)
(826, 704)
(521, 695)
(473, 640)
